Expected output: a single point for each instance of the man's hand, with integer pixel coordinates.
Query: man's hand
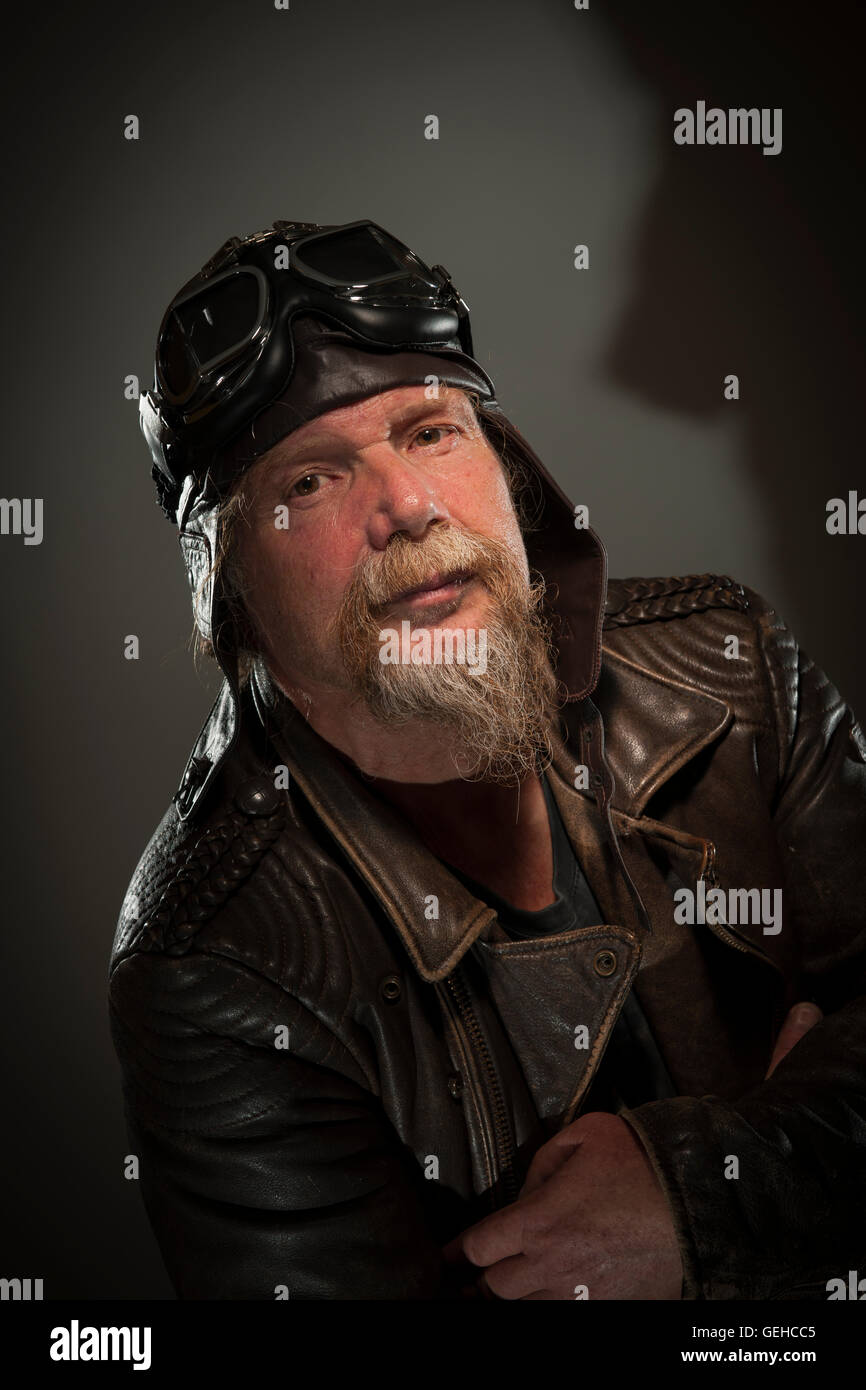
(592, 1219)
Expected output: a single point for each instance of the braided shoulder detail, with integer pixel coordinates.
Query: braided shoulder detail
(652, 600)
(209, 866)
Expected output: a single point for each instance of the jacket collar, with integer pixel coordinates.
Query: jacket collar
(653, 726)
(436, 917)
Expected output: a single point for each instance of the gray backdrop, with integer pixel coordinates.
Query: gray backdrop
(556, 128)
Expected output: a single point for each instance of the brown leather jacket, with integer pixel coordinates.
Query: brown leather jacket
(333, 1062)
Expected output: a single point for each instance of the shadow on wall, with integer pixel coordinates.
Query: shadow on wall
(747, 263)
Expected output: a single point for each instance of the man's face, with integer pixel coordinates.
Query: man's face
(350, 480)
(392, 510)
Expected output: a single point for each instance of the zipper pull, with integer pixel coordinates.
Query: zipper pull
(708, 872)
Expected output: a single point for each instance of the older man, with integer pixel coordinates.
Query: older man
(419, 988)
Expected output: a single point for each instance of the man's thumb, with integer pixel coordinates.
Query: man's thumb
(801, 1018)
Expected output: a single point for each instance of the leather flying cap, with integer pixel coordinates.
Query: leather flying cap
(332, 368)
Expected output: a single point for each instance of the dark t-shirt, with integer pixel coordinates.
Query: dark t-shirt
(632, 1070)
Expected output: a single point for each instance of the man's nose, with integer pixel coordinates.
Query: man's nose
(403, 497)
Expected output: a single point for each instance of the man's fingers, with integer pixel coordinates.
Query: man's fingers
(492, 1239)
(801, 1018)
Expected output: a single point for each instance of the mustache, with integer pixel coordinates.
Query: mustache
(445, 553)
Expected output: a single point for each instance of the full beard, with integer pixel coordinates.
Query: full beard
(498, 721)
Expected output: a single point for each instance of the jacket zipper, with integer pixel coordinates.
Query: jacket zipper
(503, 1137)
(709, 876)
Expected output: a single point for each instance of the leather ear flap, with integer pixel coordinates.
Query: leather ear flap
(197, 558)
(197, 518)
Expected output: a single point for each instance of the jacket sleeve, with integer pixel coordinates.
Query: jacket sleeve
(794, 1217)
(266, 1171)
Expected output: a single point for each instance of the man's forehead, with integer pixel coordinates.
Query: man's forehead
(382, 412)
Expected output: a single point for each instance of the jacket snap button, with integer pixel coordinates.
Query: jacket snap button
(390, 989)
(258, 797)
(605, 963)
(455, 1085)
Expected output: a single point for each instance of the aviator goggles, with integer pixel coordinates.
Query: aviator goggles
(224, 349)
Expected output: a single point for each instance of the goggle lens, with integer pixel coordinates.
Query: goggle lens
(349, 257)
(207, 328)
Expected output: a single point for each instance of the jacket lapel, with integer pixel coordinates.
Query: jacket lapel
(653, 726)
(705, 997)
(436, 918)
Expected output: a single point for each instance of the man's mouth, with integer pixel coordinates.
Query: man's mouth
(439, 588)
